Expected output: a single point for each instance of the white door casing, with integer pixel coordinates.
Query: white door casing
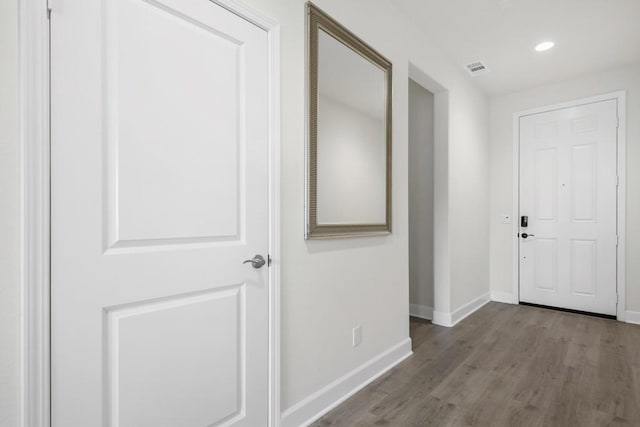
(160, 190)
(568, 189)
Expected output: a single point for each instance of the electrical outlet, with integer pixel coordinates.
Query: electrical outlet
(357, 335)
(506, 219)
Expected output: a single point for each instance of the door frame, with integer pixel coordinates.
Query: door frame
(621, 100)
(34, 99)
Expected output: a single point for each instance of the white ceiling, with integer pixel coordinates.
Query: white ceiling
(590, 36)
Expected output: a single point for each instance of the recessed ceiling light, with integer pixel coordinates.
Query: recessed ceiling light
(544, 46)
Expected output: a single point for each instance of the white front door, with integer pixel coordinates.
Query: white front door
(568, 188)
(159, 193)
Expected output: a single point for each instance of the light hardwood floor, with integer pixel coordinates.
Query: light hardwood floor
(507, 365)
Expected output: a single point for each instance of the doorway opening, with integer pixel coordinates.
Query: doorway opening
(421, 200)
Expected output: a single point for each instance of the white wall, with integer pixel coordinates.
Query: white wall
(9, 218)
(501, 184)
(329, 286)
(421, 184)
(468, 197)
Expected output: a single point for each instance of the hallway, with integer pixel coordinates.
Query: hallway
(507, 365)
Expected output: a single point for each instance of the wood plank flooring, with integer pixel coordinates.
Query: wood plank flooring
(507, 365)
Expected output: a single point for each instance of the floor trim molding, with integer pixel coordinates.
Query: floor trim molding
(451, 319)
(421, 311)
(504, 297)
(442, 318)
(319, 403)
(632, 317)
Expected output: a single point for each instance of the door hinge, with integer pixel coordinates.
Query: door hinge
(617, 240)
(617, 122)
(49, 8)
(617, 180)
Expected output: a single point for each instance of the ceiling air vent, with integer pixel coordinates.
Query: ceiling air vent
(476, 68)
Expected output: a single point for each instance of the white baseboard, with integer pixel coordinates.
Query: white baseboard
(632, 317)
(505, 297)
(451, 319)
(469, 308)
(421, 311)
(442, 318)
(319, 403)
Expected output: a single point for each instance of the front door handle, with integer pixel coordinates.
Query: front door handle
(525, 235)
(256, 262)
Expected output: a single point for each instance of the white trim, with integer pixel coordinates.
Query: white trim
(319, 403)
(574, 103)
(469, 308)
(251, 15)
(421, 311)
(442, 318)
(503, 297)
(620, 97)
(515, 216)
(274, 224)
(34, 98)
(633, 317)
(34, 142)
(455, 317)
(272, 28)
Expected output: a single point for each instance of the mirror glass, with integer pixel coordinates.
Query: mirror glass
(351, 136)
(349, 145)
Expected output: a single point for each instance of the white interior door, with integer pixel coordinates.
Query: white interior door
(159, 193)
(568, 190)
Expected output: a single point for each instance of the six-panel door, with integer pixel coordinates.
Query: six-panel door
(568, 189)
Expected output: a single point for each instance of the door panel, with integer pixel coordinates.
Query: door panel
(546, 182)
(546, 264)
(159, 193)
(583, 266)
(568, 186)
(584, 180)
(201, 383)
(174, 108)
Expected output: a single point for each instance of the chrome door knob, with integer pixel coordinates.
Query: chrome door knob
(256, 262)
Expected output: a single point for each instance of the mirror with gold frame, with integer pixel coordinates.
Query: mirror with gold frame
(349, 140)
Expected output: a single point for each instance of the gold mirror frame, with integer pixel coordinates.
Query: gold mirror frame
(319, 20)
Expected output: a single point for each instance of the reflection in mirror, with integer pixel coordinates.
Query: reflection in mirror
(351, 136)
(349, 164)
